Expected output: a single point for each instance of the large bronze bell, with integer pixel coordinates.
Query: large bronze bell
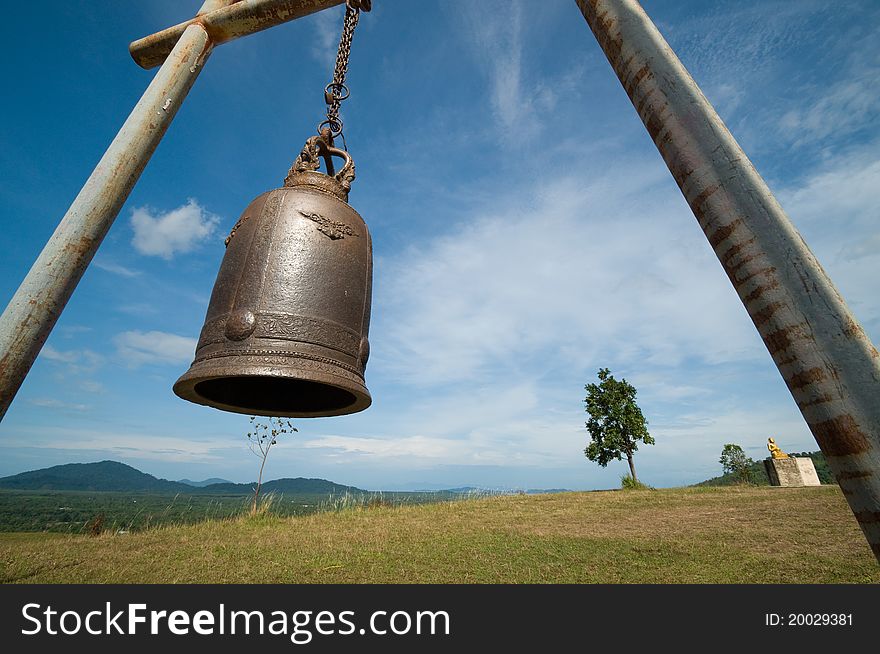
(286, 329)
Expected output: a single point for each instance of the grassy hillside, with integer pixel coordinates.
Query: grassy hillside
(699, 535)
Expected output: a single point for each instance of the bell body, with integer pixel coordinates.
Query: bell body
(287, 327)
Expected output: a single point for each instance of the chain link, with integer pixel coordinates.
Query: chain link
(336, 91)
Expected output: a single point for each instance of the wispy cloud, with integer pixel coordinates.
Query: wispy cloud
(600, 265)
(840, 194)
(419, 447)
(733, 50)
(136, 348)
(166, 234)
(115, 268)
(91, 386)
(139, 309)
(518, 100)
(865, 247)
(69, 331)
(842, 105)
(75, 361)
(126, 445)
(326, 30)
(51, 403)
(735, 41)
(50, 353)
(835, 208)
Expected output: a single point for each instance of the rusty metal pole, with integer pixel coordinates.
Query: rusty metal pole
(826, 359)
(33, 310)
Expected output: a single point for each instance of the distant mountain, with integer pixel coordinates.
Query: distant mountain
(101, 476)
(291, 486)
(460, 489)
(206, 482)
(118, 477)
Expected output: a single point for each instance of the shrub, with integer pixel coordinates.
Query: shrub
(95, 526)
(628, 483)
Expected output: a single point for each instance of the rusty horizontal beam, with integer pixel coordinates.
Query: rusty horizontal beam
(225, 24)
(827, 361)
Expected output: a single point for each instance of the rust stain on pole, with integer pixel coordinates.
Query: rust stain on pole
(225, 24)
(826, 359)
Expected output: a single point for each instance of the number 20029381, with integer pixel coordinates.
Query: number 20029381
(808, 619)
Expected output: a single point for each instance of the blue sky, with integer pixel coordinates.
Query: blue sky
(526, 232)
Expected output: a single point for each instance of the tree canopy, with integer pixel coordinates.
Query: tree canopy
(616, 423)
(734, 461)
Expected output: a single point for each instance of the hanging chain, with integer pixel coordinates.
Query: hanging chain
(336, 91)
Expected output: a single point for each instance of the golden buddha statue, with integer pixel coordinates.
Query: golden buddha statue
(775, 452)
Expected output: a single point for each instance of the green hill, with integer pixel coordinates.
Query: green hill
(113, 476)
(758, 474)
(204, 482)
(100, 476)
(299, 486)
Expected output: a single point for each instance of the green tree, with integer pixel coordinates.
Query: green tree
(265, 434)
(616, 423)
(735, 462)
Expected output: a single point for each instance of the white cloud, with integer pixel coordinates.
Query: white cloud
(326, 30)
(139, 309)
(50, 353)
(840, 194)
(91, 386)
(735, 41)
(166, 234)
(122, 445)
(599, 266)
(495, 32)
(136, 348)
(740, 54)
(76, 361)
(837, 212)
(69, 331)
(419, 447)
(867, 247)
(841, 104)
(115, 268)
(845, 106)
(51, 403)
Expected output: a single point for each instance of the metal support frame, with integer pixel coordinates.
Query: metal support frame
(241, 18)
(830, 366)
(823, 354)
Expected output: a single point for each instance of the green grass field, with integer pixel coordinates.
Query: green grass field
(73, 511)
(693, 535)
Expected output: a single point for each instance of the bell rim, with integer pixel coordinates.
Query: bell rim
(185, 388)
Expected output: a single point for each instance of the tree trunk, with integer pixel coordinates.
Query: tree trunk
(632, 466)
(259, 483)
